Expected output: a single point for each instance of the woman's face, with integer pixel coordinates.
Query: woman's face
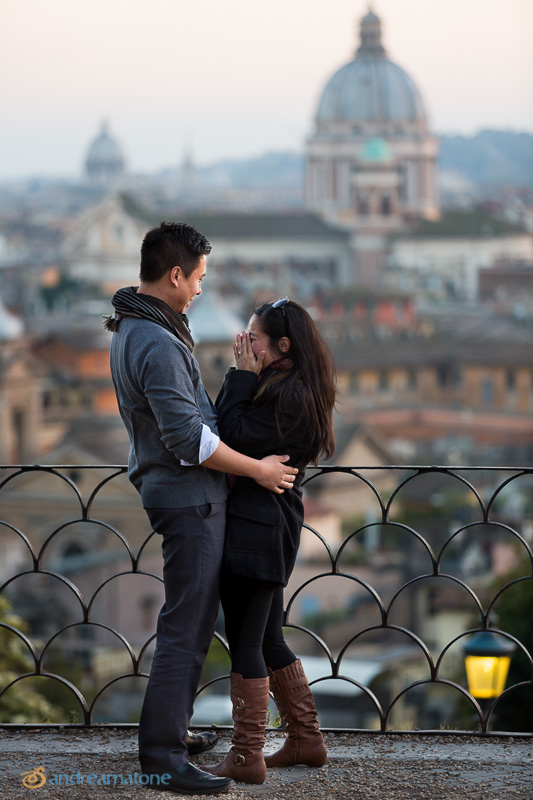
(260, 341)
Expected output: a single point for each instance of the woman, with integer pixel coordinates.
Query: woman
(281, 395)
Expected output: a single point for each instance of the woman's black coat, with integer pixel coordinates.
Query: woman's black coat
(263, 528)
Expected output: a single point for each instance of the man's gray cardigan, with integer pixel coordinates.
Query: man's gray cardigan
(163, 403)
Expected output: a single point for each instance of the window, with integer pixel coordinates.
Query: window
(444, 376)
(149, 606)
(487, 391)
(46, 399)
(73, 550)
(85, 632)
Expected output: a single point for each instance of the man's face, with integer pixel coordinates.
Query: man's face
(188, 288)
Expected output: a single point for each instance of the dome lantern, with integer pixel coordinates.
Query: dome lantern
(370, 46)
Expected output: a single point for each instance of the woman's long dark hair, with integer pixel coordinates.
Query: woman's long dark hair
(313, 371)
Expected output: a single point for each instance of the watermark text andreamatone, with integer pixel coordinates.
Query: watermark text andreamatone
(35, 778)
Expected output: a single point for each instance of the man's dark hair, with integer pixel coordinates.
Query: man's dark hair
(173, 244)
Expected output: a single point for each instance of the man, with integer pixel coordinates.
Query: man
(177, 463)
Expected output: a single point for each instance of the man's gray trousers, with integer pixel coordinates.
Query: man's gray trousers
(193, 540)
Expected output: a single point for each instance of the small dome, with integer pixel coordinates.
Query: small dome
(104, 160)
(376, 151)
(11, 327)
(370, 88)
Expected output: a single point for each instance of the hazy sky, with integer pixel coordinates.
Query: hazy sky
(232, 78)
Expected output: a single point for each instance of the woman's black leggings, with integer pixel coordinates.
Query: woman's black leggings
(253, 613)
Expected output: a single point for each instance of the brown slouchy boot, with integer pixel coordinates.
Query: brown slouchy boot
(304, 743)
(245, 760)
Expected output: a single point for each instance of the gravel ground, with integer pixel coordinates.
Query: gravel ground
(360, 767)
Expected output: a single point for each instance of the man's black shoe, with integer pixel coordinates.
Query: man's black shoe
(200, 742)
(188, 779)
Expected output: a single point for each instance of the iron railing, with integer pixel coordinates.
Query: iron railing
(428, 556)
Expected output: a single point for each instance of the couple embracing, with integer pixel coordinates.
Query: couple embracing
(221, 484)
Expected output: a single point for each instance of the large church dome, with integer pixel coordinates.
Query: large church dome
(371, 162)
(370, 88)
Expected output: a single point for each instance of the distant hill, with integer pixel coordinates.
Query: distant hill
(270, 170)
(490, 158)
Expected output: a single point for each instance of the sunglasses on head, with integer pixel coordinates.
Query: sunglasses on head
(281, 303)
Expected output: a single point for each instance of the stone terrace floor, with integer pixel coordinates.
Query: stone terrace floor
(361, 766)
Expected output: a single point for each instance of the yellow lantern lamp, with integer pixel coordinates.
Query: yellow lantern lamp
(487, 660)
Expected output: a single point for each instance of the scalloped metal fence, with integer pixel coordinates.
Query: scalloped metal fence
(425, 559)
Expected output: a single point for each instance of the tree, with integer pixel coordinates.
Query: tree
(22, 702)
(514, 615)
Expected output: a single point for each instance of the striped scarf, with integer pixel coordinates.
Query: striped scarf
(128, 303)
